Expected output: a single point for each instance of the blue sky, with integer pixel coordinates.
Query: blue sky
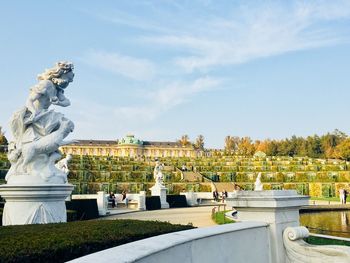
(161, 69)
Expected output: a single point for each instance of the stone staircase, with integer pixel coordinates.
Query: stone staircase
(229, 187)
(190, 176)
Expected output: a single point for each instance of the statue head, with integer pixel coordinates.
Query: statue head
(60, 75)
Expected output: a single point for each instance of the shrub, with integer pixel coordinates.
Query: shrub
(220, 218)
(72, 215)
(315, 189)
(176, 200)
(66, 241)
(85, 208)
(153, 202)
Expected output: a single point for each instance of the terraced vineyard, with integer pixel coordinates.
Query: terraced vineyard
(315, 177)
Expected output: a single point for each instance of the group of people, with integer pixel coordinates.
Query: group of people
(216, 195)
(343, 195)
(112, 198)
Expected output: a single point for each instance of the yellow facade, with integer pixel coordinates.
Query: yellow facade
(131, 147)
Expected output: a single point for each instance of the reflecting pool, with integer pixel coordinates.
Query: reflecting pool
(335, 223)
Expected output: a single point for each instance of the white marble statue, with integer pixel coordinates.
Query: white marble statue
(157, 173)
(63, 164)
(258, 186)
(38, 131)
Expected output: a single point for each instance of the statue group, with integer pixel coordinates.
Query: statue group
(38, 132)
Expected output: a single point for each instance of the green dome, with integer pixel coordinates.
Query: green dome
(130, 139)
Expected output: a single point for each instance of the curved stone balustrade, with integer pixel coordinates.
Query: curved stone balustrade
(298, 251)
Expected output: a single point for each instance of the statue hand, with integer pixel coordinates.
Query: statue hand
(54, 100)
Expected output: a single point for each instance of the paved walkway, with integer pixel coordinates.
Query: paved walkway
(197, 216)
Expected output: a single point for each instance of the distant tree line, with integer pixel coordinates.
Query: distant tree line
(330, 145)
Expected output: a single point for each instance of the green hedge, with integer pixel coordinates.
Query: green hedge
(152, 202)
(176, 201)
(72, 215)
(86, 208)
(325, 241)
(66, 241)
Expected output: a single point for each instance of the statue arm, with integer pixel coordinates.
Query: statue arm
(35, 93)
(61, 100)
(33, 96)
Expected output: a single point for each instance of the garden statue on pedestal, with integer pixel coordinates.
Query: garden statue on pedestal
(38, 132)
(159, 189)
(157, 173)
(258, 186)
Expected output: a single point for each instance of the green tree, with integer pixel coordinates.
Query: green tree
(272, 148)
(330, 141)
(3, 141)
(314, 146)
(199, 144)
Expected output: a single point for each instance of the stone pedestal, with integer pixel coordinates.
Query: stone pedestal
(191, 198)
(160, 190)
(102, 203)
(278, 208)
(142, 201)
(35, 204)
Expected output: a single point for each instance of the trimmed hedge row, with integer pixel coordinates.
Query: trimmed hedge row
(85, 208)
(176, 200)
(152, 202)
(66, 241)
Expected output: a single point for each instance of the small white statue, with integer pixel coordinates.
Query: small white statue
(157, 173)
(258, 186)
(63, 164)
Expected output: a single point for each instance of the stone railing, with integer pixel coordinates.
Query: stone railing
(277, 238)
(240, 242)
(298, 251)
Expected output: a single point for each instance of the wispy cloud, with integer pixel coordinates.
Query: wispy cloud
(165, 98)
(94, 118)
(130, 67)
(256, 32)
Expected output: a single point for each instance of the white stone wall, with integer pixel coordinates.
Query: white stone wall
(239, 243)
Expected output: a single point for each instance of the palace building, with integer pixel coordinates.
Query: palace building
(129, 146)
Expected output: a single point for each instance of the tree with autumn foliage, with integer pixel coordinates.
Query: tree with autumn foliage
(246, 147)
(185, 140)
(342, 150)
